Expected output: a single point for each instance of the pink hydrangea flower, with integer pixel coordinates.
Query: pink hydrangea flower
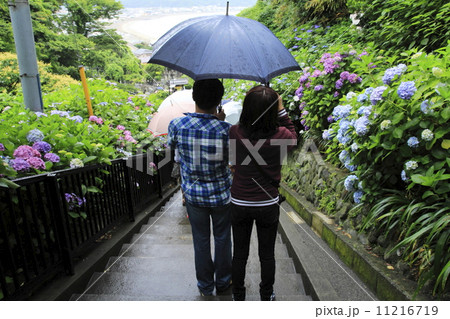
(36, 163)
(25, 152)
(120, 127)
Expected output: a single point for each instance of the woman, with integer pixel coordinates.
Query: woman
(261, 140)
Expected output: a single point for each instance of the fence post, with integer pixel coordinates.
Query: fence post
(61, 230)
(158, 175)
(128, 188)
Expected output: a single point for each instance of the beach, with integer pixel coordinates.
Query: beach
(147, 25)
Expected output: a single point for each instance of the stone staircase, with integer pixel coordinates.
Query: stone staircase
(158, 265)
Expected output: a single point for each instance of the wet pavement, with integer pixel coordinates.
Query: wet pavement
(158, 264)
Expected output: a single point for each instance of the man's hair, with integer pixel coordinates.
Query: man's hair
(207, 93)
(259, 117)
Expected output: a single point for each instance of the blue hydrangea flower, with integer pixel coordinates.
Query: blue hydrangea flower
(377, 94)
(342, 136)
(357, 196)
(349, 183)
(389, 74)
(343, 156)
(354, 147)
(362, 125)
(35, 136)
(406, 90)
(413, 142)
(326, 135)
(76, 118)
(427, 135)
(404, 176)
(425, 107)
(341, 111)
(364, 110)
(411, 165)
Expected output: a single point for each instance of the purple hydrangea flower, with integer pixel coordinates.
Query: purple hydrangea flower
(406, 90)
(339, 84)
(377, 94)
(2, 147)
(336, 94)
(74, 201)
(52, 157)
(344, 75)
(318, 87)
(35, 136)
(36, 163)
(330, 119)
(42, 147)
(19, 165)
(413, 142)
(354, 78)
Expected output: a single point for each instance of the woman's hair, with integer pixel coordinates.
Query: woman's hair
(207, 93)
(259, 117)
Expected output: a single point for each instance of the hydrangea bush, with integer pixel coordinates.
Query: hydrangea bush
(64, 136)
(394, 138)
(324, 84)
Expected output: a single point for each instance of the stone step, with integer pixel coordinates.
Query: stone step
(156, 266)
(138, 284)
(164, 229)
(104, 297)
(185, 239)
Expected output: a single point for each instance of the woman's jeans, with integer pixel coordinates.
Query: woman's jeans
(205, 268)
(266, 219)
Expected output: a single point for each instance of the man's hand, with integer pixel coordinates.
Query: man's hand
(220, 115)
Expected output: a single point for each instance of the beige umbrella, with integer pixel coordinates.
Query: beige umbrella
(172, 107)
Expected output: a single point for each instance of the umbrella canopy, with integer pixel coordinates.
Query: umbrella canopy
(232, 111)
(223, 46)
(175, 105)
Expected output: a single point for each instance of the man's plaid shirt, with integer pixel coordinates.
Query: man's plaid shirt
(203, 143)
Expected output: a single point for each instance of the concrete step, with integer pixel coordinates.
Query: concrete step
(141, 284)
(93, 297)
(158, 250)
(155, 266)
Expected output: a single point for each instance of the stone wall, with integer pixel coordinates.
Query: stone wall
(322, 184)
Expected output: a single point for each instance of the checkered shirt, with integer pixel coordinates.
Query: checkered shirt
(202, 142)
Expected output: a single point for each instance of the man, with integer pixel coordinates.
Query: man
(202, 141)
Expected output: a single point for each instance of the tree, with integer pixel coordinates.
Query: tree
(83, 15)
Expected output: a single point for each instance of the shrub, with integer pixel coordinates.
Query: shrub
(394, 137)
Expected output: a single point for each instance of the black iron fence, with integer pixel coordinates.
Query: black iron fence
(52, 219)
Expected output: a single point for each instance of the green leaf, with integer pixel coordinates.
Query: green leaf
(4, 182)
(422, 180)
(445, 144)
(89, 159)
(93, 189)
(446, 113)
(397, 133)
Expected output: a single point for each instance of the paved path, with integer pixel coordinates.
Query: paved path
(158, 264)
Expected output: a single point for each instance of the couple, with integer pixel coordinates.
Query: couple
(202, 140)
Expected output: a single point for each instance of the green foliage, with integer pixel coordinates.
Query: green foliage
(117, 129)
(326, 11)
(396, 144)
(399, 25)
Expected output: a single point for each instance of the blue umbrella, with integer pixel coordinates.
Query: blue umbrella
(223, 46)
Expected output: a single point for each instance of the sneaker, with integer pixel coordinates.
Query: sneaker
(271, 298)
(204, 294)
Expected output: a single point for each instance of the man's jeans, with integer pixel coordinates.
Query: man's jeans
(205, 268)
(266, 219)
